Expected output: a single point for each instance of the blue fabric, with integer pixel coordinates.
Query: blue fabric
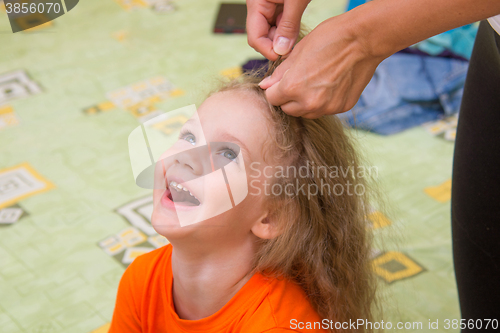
(459, 41)
(354, 3)
(408, 90)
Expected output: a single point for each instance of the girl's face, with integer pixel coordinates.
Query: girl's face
(210, 161)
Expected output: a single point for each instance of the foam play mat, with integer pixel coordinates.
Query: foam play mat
(72, 217)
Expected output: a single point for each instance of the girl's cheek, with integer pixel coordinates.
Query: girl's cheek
(238, 180)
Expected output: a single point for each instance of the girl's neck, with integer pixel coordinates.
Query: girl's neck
(204, 281)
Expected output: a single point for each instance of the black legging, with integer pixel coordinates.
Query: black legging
(476, 184)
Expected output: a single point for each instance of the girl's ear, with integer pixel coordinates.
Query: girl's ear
(266, 228)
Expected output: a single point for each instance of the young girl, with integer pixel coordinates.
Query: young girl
(292, 256)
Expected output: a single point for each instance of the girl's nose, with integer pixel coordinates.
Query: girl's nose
(197, 160)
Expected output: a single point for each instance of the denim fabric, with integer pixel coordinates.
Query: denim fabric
(408, 90)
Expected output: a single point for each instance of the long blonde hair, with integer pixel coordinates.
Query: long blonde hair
(325, 241)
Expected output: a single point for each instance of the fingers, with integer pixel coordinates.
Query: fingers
(278, 90)
(276, 76)
(288, 24)
(257, 34)
(296, 109)
(293, 108)
(272, 31)
(298, 104)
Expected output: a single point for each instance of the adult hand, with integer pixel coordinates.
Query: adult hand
(325, 73)
(328, 70)
(273, 25)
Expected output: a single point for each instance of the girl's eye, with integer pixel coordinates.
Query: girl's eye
(190, 138)
(229, 154)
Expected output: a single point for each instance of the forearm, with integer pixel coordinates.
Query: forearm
(387, 26)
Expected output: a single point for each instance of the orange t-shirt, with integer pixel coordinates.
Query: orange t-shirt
(144, 303)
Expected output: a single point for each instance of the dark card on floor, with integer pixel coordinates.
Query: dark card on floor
(231, 18)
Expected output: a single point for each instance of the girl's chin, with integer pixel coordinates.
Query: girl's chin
(162, 223)
(164, 220)
(171, 228)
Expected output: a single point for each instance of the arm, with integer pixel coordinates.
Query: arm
(400, 24)
(328, 70)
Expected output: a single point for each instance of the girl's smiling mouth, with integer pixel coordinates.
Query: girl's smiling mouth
(181, 195)
(177, 196)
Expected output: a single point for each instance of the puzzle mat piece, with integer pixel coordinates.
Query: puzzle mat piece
(146, 109)
(19, 182)
(12, 214)
(101, 107)
(394, 266)
(164, 6)
(103, 329)
(378, 219)
(138, 98)
(138, 214)
(441, 192)
(130, 243)
(15, 85)
(8, 117)
(445, 128)
(232, 72)
(141, 91)
(140, 238)
(132, 4)
(156, 5)
(28, 23)
(120, 36)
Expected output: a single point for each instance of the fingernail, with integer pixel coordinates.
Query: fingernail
(281, 46)
(264, 81)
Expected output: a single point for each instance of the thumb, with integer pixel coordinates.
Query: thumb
(288, 25)
(276, 76)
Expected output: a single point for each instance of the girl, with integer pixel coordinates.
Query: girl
(292, 256)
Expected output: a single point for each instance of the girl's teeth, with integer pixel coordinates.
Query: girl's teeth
(179, 187)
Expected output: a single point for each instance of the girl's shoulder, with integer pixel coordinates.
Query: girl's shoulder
(283, 307)
(148, 263)
(138, 285)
